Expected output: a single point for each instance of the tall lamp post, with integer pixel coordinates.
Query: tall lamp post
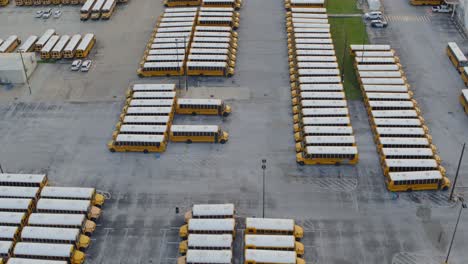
(263, 184)
(463, 206)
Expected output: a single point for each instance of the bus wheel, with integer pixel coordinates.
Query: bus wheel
(301, 163)
(222, 141)
(189, 141)
(225, 114)
(145, 151)
(112, 150)
(194, 114)
(445, 188)
(409, 190)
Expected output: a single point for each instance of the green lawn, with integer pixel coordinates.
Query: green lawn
(342, 7)
(347, 31)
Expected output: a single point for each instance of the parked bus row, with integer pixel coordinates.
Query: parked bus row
(459, 60)
(58, 47)
(409, 159)
(288, 4)
(322, 127)
(99, 9)
(44, 222)
(4, 2)
(48, 2)
(208, 234)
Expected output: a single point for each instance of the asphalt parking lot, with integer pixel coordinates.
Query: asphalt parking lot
(348, 215)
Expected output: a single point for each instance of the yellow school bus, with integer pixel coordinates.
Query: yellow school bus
(173, 3)
(202, 107)
(312, 155)
(85, 46)
(456, 56)
(426, 2)
(138, 143)
(189, 134)
(416, 181)
(464, 100)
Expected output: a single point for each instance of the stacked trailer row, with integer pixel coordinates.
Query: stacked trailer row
(409, 159)
(208, 235)
(41, 222)
(322, 126)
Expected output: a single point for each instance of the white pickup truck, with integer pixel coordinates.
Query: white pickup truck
(441, 9)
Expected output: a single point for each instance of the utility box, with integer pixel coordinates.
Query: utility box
(13, 67)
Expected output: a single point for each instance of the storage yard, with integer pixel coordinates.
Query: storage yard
(282, 73)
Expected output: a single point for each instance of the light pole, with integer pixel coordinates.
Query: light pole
(263, 191)
(25, 73)
(458, 170)
(463, 205)
(1, 169)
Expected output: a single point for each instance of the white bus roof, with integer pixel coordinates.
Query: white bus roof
(400, 131)
(318, 72)
(335, 79)
(298, 31)
(145, 119)
(50, 43)
(325, 111)
(465, 94)
(211, 224)
(207, 241)
(63, 205)
(322, 95)
(226, 34)
(176, 19)
(151, 102)
(309, 15)
(140, 138)
(18, 192)
(166, 52)
(214, 45)
(321, 87)
(416, 163)
(315, 140)
(179, 36)
(314, 47)
(209, 256)
(370, 60)
(404, 141)
(205, 13)
(317, 65)
(216, 9)
(180, 9)
(11, 218)
(300, 58)
(394, 113)
(215, 19)
(34, 261)
(198, 57)
(298, 37)
(14, 204)
(212, 40)
(139, 94)
(397, 122)
(73, 43)
(209, 51)
(324, 103)
(170, 87)
(308, 10)
(311, 2)
(207, 64)
(273, 241)
(380, 74)
(305, 43)
(174, 45)
(366, 47)
(375, 54)
(385, 88)
(174, 29)
(87, 5)
(50, 233)
(378, 67)
(130, 129)
(213, 29)
(85, 41)
(311, 50)
(43, 250)
(394, 96)
(325, 121)
(36, 219)
(391, 104)
(311, 25)
(457, 51)
(30, 41)
(68, 192)
(332, 130)
(387, 81)
(324, 150)
(5, 247)
(45, 37)
(149, 110)
(270, 224)
(176, 24)
(415, 175)
(193, 101)
(270, 256)
(107, 6)
(309, 20)
(414, 152)
(8, 232)
(212, 209)
(181, 14)
(195, 128)
(61, 43)
(166, 64)
(7, 43)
